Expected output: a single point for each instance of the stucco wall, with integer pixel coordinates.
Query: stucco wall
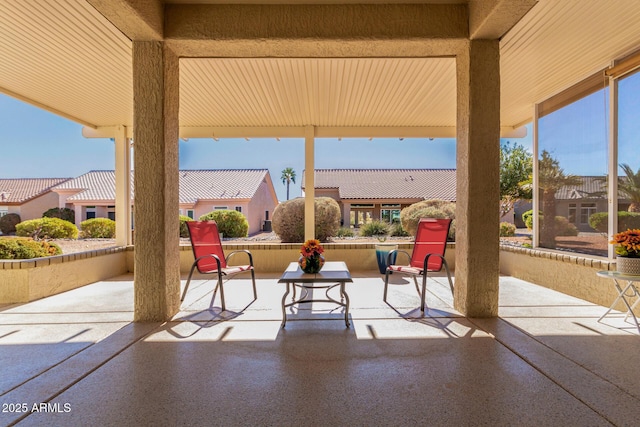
(262, 201)
(34, 208)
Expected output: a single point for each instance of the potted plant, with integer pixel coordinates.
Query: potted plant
(627, 251)
(311, 259)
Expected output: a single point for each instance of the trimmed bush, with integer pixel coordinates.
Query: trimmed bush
(288, 219)
(564, 228)
(626, 220)
(410, 216)
(62, 213)
(98, 228)
(25, 248)
(398, 231)
(507, 229)
(47, 228)
(230, 223)
(344, 232)
(184, 231)
(374, 228)
(8, 223)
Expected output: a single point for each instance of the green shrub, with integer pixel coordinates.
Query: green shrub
(184, 231)
(507, 229)
(25, 248)
(288, 219)
(47, 228)
(527, 218)
(626, 220)
(374, 228)
(230, 223)
(564, 228)
(98, 228)
(345, 232)
(62, 213)
(8, 223)
(398, 231)
(410, 216)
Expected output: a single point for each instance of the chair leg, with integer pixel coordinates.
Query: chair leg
(446, 267)
(220, 285)
(253, 281)
(386, 285)
(423, 295)
(184, 293)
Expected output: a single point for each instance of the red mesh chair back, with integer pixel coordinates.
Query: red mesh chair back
(205, 240)
(431, 238)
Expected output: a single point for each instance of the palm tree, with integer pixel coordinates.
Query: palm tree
(552, 178)
(288, 176)
(630, 187)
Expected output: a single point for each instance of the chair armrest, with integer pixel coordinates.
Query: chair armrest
(396, 251)
(207, 256)
(426, 261)
(241, 251)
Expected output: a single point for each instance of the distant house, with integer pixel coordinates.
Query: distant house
(579, 202)
(249, 191)
(367, 194)
(28, 197)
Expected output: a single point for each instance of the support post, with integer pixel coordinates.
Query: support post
(309, 179)
(123, 187)
(155, 125)
(477, 176)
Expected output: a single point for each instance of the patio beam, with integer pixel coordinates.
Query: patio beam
(315, 30)
(492, 19)
(137, 19)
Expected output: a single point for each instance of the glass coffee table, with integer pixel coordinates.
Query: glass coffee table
(333, 274)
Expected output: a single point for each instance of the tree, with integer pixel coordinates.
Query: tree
(551, 179)
(630, 187)
(516, 167)
(288, 176)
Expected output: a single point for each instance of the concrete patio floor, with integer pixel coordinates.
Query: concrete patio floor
(545, 361)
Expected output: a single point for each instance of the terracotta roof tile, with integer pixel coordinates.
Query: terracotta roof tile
(206, 184)
(16, 191)
(389, 183)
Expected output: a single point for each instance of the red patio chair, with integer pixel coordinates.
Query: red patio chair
(210, 259)
(427, 256)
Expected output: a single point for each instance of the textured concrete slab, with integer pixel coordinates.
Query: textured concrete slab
(545, 361)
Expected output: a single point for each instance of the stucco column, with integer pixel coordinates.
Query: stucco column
(346, 214)
(155, 124)
(309, 179)
(123, 187)
(477, 176)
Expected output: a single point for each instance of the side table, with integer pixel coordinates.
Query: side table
(625, 292)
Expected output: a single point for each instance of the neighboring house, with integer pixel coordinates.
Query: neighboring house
(579, 202)
(249, 191)
(367, 194)
(28, 197)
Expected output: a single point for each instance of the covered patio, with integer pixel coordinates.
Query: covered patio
(545, 361)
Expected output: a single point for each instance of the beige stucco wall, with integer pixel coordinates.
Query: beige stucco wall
(34, 208)
(28, 280)
(263, 200)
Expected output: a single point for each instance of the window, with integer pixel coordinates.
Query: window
(586, 210)
(238, 208)
(190, 213)
(219, 208)
(4, 210)
(572, 213)
(90, 212)
(390, 215)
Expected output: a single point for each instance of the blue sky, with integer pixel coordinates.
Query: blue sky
(38, 144)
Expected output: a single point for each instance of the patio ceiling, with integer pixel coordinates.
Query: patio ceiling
(66, 57)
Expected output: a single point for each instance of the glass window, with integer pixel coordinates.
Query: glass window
(190, 213)
(390, 215)
(219, 208)
(238, 208)
(586, 210)
(4, 210)
(572, 213)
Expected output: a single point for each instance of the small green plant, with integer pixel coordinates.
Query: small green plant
(507, 229)
(230, 223)
(375, 228)
(98, 228)
(184, 231)
(62, 213)
(25, 248)
(8, 223)
(398, 231)
(47, 228)
(345, 232)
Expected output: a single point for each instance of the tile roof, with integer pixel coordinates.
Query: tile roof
(388, 183)
(592, 187)
(207, 184)
(20, 190)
